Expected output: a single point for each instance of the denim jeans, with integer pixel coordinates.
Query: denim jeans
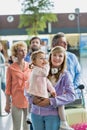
(3, 86)
(31, 127)
(45, 122)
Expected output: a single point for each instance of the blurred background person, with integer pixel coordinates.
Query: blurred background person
(35, 44)
(2, 68)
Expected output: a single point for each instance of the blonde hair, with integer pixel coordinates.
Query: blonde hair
(58, 49)
(16, 45)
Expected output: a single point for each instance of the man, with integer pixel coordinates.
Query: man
(73, 65)
(35, 44)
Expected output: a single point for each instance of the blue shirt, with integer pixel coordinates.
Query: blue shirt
(74, 69)
(27, 58)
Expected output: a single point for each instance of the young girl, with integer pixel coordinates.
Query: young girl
(39, 84)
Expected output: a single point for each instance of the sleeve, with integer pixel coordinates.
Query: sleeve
(45, 70)
(66, 93)
(8, 81)
(50, 87)
(2, 58)
(28, 97)
(42, 71)
(77, 69)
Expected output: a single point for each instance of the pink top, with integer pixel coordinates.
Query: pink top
(16, 81)
(39, 84)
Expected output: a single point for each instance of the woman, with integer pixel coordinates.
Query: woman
(44, 114)
(16, 81)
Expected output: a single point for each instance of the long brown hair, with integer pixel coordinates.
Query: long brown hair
(54, 50)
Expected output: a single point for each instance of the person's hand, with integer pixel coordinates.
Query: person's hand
(54, 94)
(7, 108)
(42, 102)
(7, 64)
(37, 99)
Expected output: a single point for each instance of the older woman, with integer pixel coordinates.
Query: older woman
(16, 81)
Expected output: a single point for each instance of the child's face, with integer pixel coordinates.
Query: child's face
(41, 60)
(57, 59)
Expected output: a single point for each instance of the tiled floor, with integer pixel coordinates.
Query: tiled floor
(6, 121)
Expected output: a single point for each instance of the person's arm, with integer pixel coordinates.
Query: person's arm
(8, 90)
(46, 69)
(4, 64)
(8, 104)
(77, 69)
(68, 92)
(2, 58)
(28, 96)
(1, 65)
(50, 88)
(65, 97)
(42, 71)
(74, 68)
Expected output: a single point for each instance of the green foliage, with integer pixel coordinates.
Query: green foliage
(36, 14)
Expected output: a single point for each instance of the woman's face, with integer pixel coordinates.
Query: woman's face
(57, 59)
(21, 52)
